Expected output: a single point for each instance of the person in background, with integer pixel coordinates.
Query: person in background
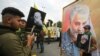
(22, 32)
(42, 34)
(23, 24)
(10, 42)
(60, 39)
(49, 36)
(86, 42)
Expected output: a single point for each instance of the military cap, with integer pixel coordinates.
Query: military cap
(23, 20)
(13, 11)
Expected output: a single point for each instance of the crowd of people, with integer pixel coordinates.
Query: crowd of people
(16, 41)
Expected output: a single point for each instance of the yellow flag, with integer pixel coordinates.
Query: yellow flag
(35, 6)
(45, 29)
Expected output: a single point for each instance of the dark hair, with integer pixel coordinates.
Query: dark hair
(12, 11)
(87, 27)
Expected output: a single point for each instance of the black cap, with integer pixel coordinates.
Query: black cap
(13, 11)
(23, 20)
(87, 27)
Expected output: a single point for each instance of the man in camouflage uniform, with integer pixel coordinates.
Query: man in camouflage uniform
(10, 42)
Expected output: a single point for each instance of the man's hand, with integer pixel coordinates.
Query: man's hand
(30, 38)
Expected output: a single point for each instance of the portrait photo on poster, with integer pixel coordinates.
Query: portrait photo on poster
(35, 18)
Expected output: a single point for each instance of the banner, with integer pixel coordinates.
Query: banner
(75, 17)
(35, 18)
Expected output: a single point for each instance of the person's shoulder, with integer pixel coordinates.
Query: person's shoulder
(91, 35)
(9, 36)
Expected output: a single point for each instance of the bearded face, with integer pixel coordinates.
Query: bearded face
(38, 18)
(77, 24)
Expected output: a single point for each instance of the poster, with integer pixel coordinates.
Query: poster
(75, 17)
(35, 18)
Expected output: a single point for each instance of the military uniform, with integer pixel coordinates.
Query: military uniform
(10, 43)
(22, 34)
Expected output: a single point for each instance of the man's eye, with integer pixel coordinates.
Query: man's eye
(84, 23)
(77, 23)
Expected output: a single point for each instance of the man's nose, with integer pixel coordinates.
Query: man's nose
(80, 28)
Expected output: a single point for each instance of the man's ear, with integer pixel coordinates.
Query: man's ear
(9, 20)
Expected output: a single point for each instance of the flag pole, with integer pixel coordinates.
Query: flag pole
(32, 28)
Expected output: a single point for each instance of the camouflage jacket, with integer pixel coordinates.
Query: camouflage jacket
(10, 43)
